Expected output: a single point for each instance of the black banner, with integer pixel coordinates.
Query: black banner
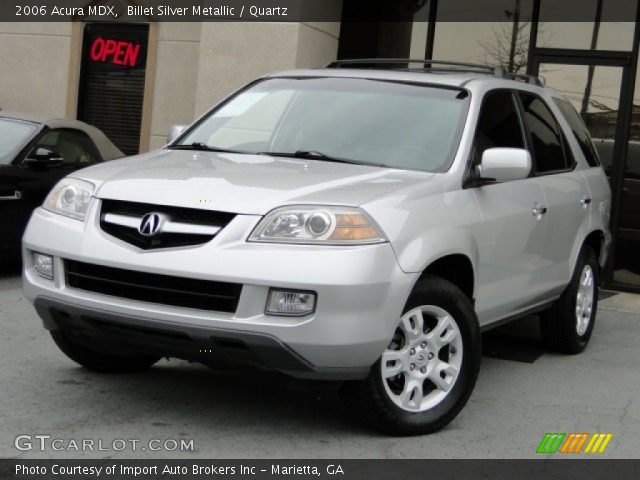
(314, 10)
(309, 469)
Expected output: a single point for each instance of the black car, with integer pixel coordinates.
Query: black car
(36, 152)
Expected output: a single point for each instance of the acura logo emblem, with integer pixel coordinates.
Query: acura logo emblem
(150, 224)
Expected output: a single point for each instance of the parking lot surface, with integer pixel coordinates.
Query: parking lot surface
(522, 393)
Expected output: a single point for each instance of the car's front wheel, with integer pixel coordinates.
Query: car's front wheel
(100, 361)
(428, 371)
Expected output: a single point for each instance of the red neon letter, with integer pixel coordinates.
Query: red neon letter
(120, 51)
(120, 46)
(96, 49)
(131, 56)
(109, 49)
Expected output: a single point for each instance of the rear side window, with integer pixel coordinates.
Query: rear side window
(498, 125)
(579, 130)
(73, 146)
(546, 140)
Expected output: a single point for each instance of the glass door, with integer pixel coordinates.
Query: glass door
(626, 259)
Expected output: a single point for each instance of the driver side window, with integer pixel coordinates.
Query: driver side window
(498, 125)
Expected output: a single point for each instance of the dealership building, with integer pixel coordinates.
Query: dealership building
(134, 80)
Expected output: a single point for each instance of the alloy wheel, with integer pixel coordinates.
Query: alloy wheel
(584, 300)
(423, 361)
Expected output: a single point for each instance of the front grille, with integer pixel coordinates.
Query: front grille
(161, 240)
(188, 216)
(154, 288)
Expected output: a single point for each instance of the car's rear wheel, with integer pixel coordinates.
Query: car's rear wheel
(100, 361)
(428, 371)
(567, 326)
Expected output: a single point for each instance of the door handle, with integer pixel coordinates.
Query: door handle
(539, 211)
(17, 195)
(585, 201)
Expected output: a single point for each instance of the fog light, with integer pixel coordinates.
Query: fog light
(290, 302)
(43, 265)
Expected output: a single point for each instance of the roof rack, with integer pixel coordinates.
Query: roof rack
(428, 65)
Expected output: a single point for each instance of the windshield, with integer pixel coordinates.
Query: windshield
(385, 123)
(13, 134)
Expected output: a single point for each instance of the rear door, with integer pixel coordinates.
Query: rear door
(510, 237)
(566, 193)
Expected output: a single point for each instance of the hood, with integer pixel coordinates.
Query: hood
(238, 183)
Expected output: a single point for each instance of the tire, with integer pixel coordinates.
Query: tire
(380, 401)
(99, 361)
(560, 326)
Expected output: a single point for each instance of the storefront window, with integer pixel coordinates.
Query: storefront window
(495, 43)
(600, 34)
(503, 41)
(579, 35)
(112, 81)
(596, 101)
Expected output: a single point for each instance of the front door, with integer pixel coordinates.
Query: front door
(511, 235)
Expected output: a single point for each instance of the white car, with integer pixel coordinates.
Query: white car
(360, 223)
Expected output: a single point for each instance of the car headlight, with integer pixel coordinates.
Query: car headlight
(327, 225)
(70, 197)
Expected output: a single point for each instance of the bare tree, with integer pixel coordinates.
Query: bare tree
(508, 46)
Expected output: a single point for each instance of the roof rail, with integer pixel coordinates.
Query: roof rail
(428, 65)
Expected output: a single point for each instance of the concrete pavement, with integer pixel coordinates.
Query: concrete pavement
(240, 415)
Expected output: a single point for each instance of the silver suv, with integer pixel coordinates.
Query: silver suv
(360, 223)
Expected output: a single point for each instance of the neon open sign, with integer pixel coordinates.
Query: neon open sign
(116, 52)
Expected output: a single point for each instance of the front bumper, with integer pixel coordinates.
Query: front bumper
(361, 293)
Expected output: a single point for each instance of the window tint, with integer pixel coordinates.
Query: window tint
(73, 145)
(545, 135)
(579, 131)
(498, 125)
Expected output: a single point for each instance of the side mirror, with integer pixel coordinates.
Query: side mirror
(175, 131)
(504, 164)
(43, 157)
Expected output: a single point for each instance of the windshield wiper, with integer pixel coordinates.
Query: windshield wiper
(305, 154)
(203, 147)
(315, 155)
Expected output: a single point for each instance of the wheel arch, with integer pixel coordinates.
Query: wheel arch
(596, 240)
(456, 268)
(450, 253)
(593, 234)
